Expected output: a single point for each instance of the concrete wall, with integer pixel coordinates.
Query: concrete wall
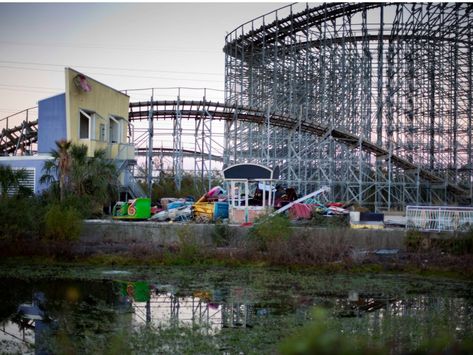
(171, 233)
(51, 122)
(102, 100)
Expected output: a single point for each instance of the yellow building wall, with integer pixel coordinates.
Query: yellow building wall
(104, 102)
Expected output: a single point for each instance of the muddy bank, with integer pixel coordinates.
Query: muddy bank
(334, 249)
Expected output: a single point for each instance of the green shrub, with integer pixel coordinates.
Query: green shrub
(187, 251)
(221, 235)
(458, 244)
(85, 205)
(319, 337)
(466, 240)
(62, 223)
(20, 217)
(335, 221)
(414, 240)
(326, 334)
(270, 229)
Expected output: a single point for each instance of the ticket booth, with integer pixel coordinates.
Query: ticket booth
(250, 191)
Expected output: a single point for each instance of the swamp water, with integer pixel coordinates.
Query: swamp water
(219, 310)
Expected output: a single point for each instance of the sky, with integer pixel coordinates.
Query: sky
(123, 45)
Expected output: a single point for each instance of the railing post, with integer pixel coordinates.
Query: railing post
(149, 177)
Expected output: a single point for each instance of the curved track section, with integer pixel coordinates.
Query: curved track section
(191, 110)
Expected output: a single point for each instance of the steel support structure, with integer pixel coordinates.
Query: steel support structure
(397, 75)
(186, 138)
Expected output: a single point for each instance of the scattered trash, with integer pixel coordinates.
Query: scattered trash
(386, 251)
(367, 225)
(301, 211)
(308, 205)
(211, 206)
(248, 198)
(174, 209)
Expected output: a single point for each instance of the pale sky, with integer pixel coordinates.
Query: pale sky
(123, 45)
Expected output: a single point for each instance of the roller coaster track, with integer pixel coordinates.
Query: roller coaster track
(220, 111)
(10, 139)
(278, 29)
(170, 152)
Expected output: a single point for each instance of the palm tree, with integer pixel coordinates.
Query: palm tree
(103, 177)
(10, 178)
(64, 165)
(80, 173)
(59, 167)
(92, 177)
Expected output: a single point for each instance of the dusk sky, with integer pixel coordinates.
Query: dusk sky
(126, 46)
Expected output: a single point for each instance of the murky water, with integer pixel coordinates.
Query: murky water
(85, 314)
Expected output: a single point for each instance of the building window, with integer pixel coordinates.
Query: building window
(115, 129)
(86, 125)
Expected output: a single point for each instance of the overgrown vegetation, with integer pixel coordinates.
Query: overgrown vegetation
(335, 221)
(92, 180)
(274, 240)
(328, 335)
(269, 230)
(414, 240)
(21, 216)
(221, 235)
(319, 337)
(62, 223)
(458, 244)
(10, 180)
(80, 186)
(416, 315)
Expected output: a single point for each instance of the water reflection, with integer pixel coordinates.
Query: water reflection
(33, 312)
(29, 316)
(163, 305)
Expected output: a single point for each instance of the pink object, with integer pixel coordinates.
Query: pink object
(300, 211)
(81, 83)
(84, 84)
(214, 191)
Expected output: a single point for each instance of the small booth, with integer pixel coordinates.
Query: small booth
(250, 191)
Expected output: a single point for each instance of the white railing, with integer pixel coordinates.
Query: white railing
(439, 218)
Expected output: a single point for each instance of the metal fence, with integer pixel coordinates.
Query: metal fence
(439, 218)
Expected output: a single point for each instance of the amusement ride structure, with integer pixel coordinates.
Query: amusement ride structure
(374, 100)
